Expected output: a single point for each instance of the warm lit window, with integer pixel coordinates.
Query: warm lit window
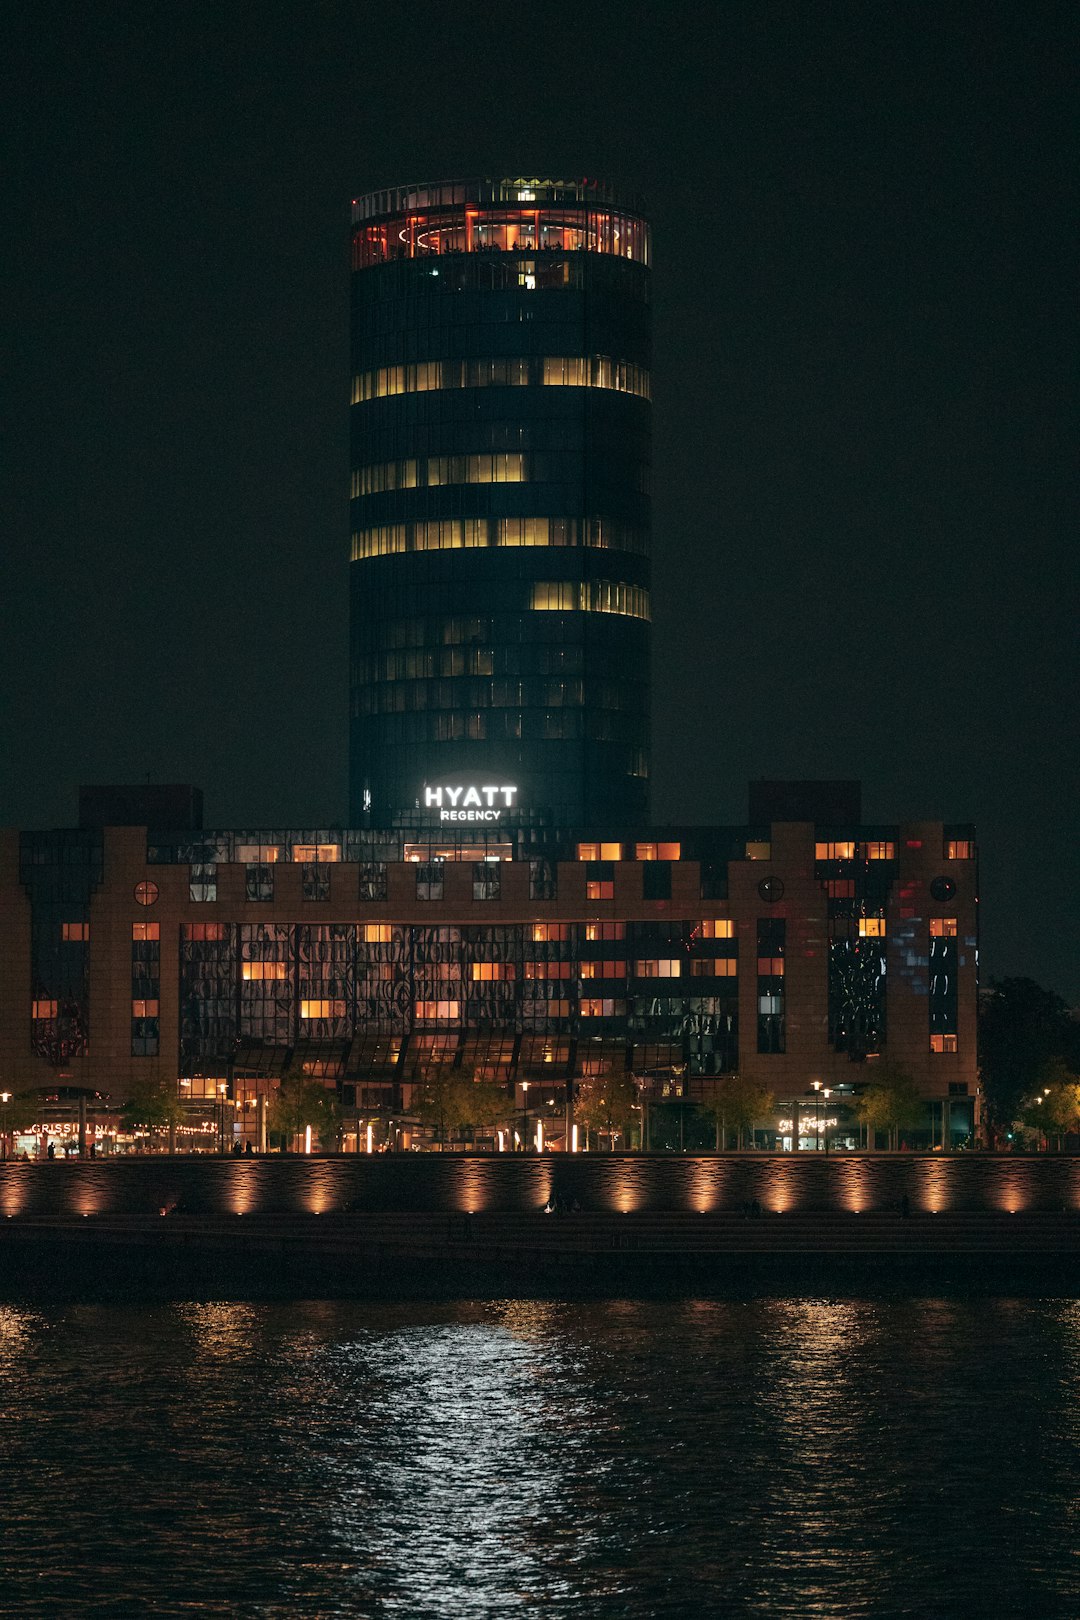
(203, 931)
(322, 1009)
(834, 852)
(146, 893)
(144, 1009)
(258, 854)
(429, 1010)
(881, 851)
(449, 534)
(590, 596)
(758, 850)
(75, 931)
(378, 542)
(840, 888)
(374, 479)
(605, 930)
(871, 928)
(713, 967)
(144, 931)
(596, 371)
(485, 971)
(943, 928)
(494, 468)
(599, 889)
(943, 1043)
(43, 1009)
(542, 932)
(770, 967)
(593, 1007)
(603, 970)
(664, 968)
(715, 928)
(549, 970)
(588, 852)
(316, 854)
(377, 933)
(959, 849)
(657, 852)
(264, 970)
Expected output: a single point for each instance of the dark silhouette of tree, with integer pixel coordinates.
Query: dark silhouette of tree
(1021, 1027)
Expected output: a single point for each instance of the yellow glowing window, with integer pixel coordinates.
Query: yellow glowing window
(549, 970)
(713, 967)
(770, 967)
(588, 852)
(603, 970)
(429, 1011)
(599, 889)
(590, 596)
(959, 849)
(758, 850)
(880, 851)
(322, 1009)
(834, 852)
(374, 479)
(596, 371)
(75, 931)
(199, 932)
(595, 1007)
(312, 854)
(943, 928)
(657, 852)
(496, 468)
(377, 933)
(43, 1009)
(715, 928)
(871, 928)
(943, 1043)
(264, 970)
(659, 968)
(258, 854)
(144, 1009)
(550, 931)
(605, 930)
(449, 534)
(485, 972)
(382, 541)
(145, 931)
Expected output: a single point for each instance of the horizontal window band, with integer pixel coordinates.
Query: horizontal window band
(553, 371)
(457, 534)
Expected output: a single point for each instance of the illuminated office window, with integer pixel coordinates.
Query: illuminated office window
(959, 849)
(715, 928)
(378, 542)
(871, 927)
(333, 1008)
(43, 1009)
(204, 931)
(377, 933)
(658, 852)
(492, 972)
(605, 930)
(496, 468)
(264, 970)
(75, 931)
(599, 889)
(143, 932)
(258, 854)
(943, 928)
(880, 851)
(713, 967)
(549, 970)
(436, 1011)
(590, 596)
(758, 849)
(596, 1007)
(943, 1043)
(316, 854)
(770, 967)
(658, 968)
(603, 970)
(381, 476)
(550, 931)
(835, 852)
(144, 1008)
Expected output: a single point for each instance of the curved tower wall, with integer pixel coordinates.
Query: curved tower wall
(500, 506)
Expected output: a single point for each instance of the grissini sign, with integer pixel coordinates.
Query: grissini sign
(470, 802)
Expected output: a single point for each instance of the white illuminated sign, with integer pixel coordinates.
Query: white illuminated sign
(470, 802)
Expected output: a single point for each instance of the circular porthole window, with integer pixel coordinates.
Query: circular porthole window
(771, 889)
(146, 893)
(943, 888)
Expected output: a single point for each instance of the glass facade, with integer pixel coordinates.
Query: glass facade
(500, 506)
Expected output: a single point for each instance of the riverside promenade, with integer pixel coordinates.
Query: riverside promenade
(421, 1223)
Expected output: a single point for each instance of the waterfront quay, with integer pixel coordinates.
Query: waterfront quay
(356, 1224)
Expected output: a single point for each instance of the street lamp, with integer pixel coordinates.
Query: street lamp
(5, 1098)
(817, 1115)
(826, 1093)
(524, 1116)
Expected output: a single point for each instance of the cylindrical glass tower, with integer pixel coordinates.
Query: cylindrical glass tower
(500, 512)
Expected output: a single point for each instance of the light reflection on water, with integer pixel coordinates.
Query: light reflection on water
(628, 1459)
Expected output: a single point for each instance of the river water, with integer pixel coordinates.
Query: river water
(631, 1459)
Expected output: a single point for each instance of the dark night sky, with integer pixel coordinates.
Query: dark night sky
(863, 386)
